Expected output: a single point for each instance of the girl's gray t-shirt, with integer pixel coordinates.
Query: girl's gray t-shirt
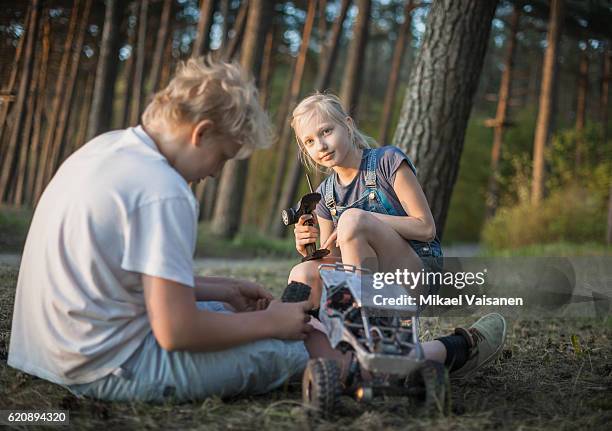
(389, 160)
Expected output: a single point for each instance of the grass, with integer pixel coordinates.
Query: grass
(555, 249)
(542, 380)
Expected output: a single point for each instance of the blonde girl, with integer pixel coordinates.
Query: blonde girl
(374, 213)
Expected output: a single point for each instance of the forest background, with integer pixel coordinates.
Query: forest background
(73, 69)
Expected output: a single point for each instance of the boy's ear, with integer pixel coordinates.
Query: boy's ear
(201, 129)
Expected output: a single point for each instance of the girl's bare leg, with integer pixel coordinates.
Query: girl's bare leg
(308, 273)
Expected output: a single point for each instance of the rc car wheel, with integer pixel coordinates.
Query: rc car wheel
(321, 386)
(432, 380)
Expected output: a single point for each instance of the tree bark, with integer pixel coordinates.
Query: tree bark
(100, 113)
(202, 42)
(499, 123)
(20, 103)
(546, 108)
(331, 51)
(350, 90)
(403, 39)
(59, 142)
(441, 89)
(58, 95)
(33, 169)
(581, 100)
(285, 129)
(228, 210)
(137, 85)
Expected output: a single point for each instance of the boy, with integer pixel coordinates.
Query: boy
(107, 304)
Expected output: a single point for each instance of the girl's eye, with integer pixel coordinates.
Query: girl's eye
(308, 142)
(326, 132)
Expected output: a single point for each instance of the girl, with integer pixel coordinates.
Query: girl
(375, 214)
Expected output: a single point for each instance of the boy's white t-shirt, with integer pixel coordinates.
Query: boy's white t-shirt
(115, 209)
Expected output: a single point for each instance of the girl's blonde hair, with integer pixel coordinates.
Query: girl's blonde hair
(217, 91)
(329, 107)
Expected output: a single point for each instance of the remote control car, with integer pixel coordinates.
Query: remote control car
(387, 355)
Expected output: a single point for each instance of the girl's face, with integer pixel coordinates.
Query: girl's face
(326, 141)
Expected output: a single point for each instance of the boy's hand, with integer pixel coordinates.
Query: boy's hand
(248, 296)
(289, 319)
(305, 234)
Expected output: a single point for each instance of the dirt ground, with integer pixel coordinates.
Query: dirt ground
(542, 380)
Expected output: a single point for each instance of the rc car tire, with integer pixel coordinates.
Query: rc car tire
(321, 386)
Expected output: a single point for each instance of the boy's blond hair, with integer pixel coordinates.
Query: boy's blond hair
(218, 91)
(325, 106)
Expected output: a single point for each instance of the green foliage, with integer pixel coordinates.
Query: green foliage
(576, 206)
(467, 206)
(250, 242)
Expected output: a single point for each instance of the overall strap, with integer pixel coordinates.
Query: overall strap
(372, 159)
(328, 188)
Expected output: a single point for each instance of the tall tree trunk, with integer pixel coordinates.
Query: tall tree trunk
(322, 30)
(5, 101)
(81, 136)
(20, 103)
(58, 95)
(138, 84)
(100, 114)
(168, 63)
(403, 39)
(130, 67)
(25, 154)
(605, 90)
(441, 89)
(160, 44)
(59, 143)
(546, 109)
(238, 30)
(499, 123)
(34, 168)
(331, 51)
(228, 210)
(202, 42)
(224, 8)
(285, 130)
(581, 100)
(350, 90)
(266, 67)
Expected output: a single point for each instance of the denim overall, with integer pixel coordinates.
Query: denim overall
(374, 200)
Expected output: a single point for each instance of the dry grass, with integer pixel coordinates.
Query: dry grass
(542, 381)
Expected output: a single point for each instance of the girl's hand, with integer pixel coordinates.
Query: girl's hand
(305, 234)
(331, 241)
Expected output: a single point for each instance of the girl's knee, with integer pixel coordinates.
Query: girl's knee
(353, 223)
(305, 272)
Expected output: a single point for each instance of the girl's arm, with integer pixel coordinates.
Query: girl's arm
(419, 224)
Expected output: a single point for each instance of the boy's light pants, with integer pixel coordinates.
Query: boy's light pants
(154, 374)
